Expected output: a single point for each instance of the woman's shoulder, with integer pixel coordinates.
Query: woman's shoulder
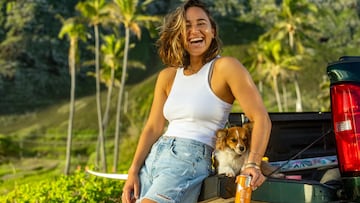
(167, 74)
(166, 78)
(229, 63)
(228, 59)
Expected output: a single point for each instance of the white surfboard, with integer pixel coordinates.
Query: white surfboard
(109, 175)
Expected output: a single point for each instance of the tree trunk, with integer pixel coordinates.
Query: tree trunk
(98, 100)
(298, 96)
(108, 100)
(285, 95)
(119, 102)
(277, 94)
(72, 56)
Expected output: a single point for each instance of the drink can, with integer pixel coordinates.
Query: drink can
(243, 189)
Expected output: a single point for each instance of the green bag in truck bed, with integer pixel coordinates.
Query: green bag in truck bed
(272, 190)
(294, 191)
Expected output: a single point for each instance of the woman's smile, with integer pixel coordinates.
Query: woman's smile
(196, 42)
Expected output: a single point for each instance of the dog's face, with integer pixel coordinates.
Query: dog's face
(235, 138)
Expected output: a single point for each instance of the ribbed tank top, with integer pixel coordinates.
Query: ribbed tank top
(192, 108)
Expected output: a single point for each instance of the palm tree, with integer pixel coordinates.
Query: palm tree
(113, 51)
(75, 31)
(288, 30)
(97, 13)
(126, 12)
(293, 22)
(295, 18)
(273, 62)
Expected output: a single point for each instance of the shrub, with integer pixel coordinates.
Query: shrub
(8, 148)
(79, 187)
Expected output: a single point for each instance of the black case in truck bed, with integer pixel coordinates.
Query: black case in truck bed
(293, 132)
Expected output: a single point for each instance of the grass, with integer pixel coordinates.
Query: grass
(27, 170)
(43, 137)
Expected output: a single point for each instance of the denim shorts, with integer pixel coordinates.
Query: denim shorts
(174, 170)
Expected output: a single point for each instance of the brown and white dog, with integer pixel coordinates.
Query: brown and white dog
(232, 150)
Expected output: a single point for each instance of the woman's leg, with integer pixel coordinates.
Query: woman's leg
(178, 171)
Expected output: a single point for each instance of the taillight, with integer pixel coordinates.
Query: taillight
(345, 107)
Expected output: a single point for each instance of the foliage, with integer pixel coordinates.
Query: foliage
(79, 187)
(7, 148)
(34, 70)
(296, 34)
(32, 59)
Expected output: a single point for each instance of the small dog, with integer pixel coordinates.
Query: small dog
(232, 150)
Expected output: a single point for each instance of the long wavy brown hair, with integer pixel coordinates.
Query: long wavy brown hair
(173, 37)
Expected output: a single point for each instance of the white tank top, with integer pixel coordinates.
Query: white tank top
(192, 108)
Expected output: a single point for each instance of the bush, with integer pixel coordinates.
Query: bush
(8, 148)
(79, 187)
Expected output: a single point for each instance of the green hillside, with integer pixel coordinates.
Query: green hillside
(35, 142)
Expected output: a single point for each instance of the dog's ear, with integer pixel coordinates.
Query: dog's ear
(221, 133)
(248, 127)
(220, 141)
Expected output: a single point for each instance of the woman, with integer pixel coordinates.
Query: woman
(194, 95)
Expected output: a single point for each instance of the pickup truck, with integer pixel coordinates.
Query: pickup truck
(319, 152)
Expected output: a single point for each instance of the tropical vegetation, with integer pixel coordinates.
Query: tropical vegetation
(62, 63)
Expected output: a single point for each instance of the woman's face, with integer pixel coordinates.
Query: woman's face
(199, 32)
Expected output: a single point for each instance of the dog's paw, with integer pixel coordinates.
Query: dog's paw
(228, 171)
(230, 174)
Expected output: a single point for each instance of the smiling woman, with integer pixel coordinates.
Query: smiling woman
(194, 96)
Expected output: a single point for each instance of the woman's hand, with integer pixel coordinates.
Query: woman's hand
(131, 189)
(257, 178)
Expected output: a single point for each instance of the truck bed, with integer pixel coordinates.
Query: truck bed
(291, 136)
